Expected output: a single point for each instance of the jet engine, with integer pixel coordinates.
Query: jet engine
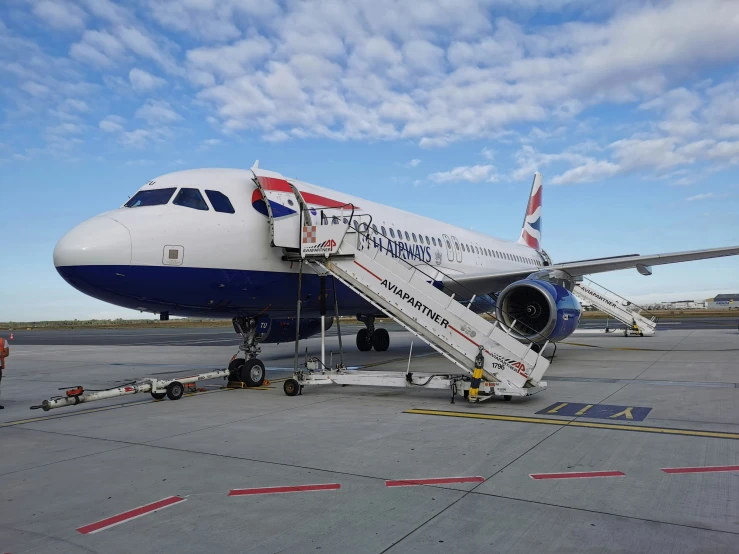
(538, 311)
(283, 330)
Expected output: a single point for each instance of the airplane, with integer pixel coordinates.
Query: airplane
(198, 243)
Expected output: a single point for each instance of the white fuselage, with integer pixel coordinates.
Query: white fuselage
(225, 265)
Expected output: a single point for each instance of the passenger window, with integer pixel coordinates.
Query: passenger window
(220, 202)
(448, 244)
(374, 228)
(392, 233)
(414, 237)
(433, 240)
(383, 230)
(154, 197)
(407, 236)
(190, 198)
(335, 220)
(428, 241)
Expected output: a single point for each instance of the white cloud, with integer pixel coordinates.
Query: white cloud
(112, 124)
(98, 48)
(592, 170)
(704, 196)
(471, 174)
(136, 139)
(208, 143)
(205, 64)
(143, 81)
(413, 163)
(488, 154)
(35, 89)
(215, 21)
(156, 112)
(60, 14)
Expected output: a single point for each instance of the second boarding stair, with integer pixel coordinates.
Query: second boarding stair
(404, 289)
(638, 322)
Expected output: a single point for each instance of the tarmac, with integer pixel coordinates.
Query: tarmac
(633, 447)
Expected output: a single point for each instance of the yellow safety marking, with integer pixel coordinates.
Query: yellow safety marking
(583, 410)
(563, 422)
(558, 408)
(626, 412)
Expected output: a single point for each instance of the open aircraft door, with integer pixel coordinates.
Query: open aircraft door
(284, 204)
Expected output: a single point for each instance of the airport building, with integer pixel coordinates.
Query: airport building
(724, 302)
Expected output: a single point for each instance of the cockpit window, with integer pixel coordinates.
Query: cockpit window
(220, 202)
(190, 198)
(155, 197)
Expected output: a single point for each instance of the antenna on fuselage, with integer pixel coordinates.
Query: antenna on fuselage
(256, 165)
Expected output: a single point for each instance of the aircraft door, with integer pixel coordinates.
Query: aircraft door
(449, 248)
(458, 249)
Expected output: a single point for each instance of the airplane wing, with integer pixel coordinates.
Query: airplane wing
(487, 283)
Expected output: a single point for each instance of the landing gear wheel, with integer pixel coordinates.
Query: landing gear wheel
(252, 373)
(380, 340)
(291, 387)
(175, 390)
(364, 342)
(233, 368)
(158, 395)
(507, 397)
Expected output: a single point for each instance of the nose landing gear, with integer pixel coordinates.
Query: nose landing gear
(249, 369)
(370, 338)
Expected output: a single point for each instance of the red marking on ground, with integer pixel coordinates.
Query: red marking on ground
(368, 271)
(434, 481)
(465, 336)
(279, 490)
(129, 515)
(705, 469)
(577, 475)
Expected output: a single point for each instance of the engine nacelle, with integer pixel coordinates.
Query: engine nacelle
(283, 330)
(538, 311)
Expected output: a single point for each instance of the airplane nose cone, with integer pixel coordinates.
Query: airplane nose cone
(99, 241)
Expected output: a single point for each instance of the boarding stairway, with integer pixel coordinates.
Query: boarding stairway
(638, 322)
(341, 244)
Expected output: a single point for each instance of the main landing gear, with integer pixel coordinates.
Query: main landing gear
(370, 338)
(249, 369)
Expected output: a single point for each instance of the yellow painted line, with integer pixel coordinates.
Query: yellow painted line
(114, 407)
(583, 410)
(558, 408)
(567, 423)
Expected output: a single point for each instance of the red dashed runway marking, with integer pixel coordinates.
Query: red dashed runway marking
(436, 481)
(705, 469)
(577, 475)
(282, 490)
(129, 515)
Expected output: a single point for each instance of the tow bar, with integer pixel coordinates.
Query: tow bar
(172, 389)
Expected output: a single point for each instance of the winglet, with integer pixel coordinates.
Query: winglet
(256, 165)
(531, 228)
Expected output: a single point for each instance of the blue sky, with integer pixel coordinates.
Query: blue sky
(629, 109)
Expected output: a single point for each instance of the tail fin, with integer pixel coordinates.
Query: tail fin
(531, 229)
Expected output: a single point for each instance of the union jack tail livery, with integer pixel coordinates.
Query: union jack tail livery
(531, 229)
